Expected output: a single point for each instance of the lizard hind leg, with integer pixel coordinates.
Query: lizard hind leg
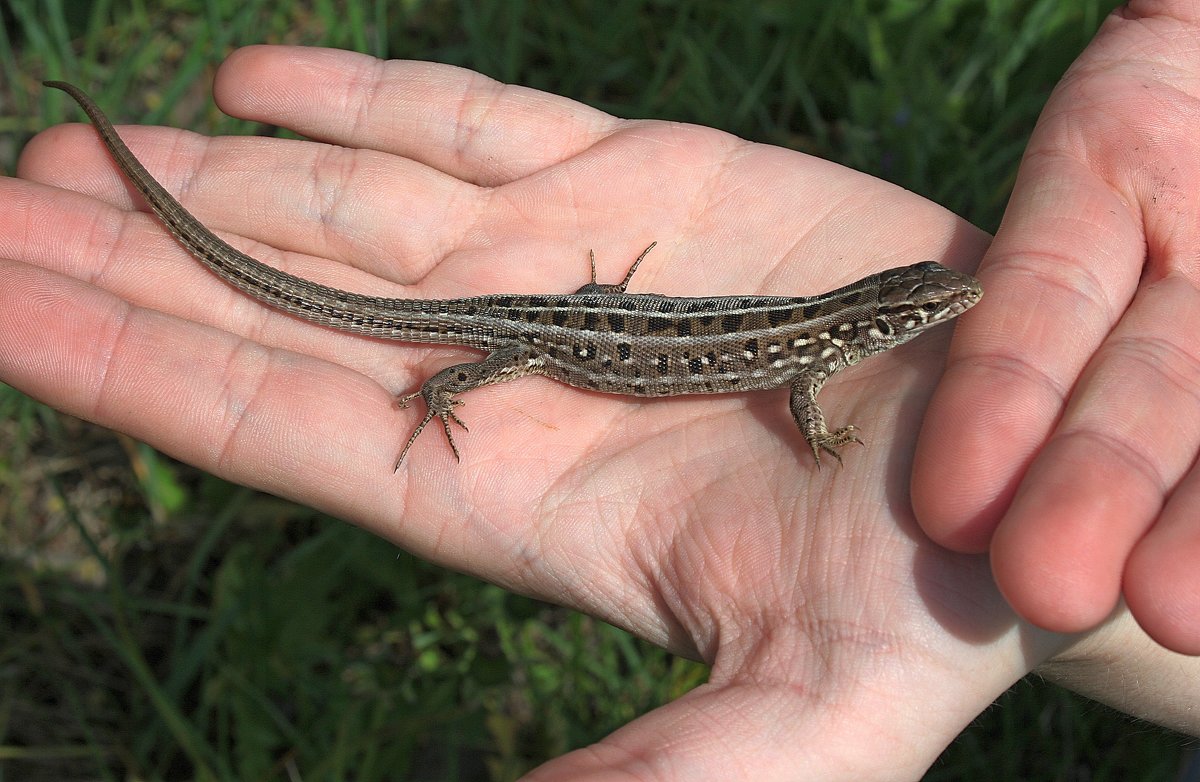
(619, 288)
(440, 392)
(443, 411)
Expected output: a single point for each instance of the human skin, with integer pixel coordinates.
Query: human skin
(1064, 436)
(842, 641)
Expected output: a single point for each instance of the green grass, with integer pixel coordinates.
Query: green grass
(162, 624)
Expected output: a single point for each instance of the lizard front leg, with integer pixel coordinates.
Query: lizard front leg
(439, 392)
(808, 416)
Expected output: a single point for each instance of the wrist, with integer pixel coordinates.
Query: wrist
(1119, 665)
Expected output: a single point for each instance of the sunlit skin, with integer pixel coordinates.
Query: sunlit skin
(842, 640)
(1066, 431)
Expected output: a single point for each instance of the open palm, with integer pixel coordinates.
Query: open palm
(699, 523)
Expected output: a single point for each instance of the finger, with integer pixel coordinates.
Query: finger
(274, 420)
(1131, 431)
(1059, 553)
(130, 255)
(387, 215)
(452, 119)
(1162, 582)
(1054, 286)
(200, 394)
(480, 131)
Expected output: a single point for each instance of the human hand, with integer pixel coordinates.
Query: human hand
(842, 642)
(1067, 429)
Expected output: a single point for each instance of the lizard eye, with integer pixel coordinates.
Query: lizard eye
(931, 307)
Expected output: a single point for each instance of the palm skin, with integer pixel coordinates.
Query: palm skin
(842, 641)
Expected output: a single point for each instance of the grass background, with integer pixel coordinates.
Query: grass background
(157, 623)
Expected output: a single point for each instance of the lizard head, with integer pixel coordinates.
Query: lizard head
(918, 297)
